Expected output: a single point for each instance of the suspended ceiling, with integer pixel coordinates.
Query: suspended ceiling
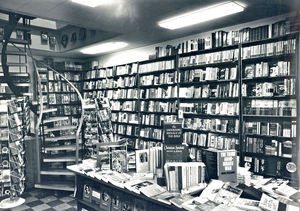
(135, 21)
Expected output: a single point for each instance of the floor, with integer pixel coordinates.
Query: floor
(47, 200)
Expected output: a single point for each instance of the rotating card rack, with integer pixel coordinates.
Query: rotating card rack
(18, 127)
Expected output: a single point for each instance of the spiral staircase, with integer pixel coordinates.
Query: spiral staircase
(57, 136)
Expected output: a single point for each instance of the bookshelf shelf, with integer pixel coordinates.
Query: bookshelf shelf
(157, 72)
(270, 137)
(265, 58)
(277, 78)
(160, 99)
(120, 76)
(125, 123)
(283, 97)
(162, 58)
(158, 112)
(216, 64)
(117, 111)
(225, 116)
(269, 116)
(210, 50)
(127, 136)
(210, 131)
(259, 155)
(270, 40)
(209, 99)
(157, 85)
(195, 83)
(152, 126)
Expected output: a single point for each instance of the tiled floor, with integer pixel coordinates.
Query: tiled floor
(47, 200)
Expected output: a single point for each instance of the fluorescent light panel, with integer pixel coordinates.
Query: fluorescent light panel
(104, 47)
(90, 3)
(202, 15)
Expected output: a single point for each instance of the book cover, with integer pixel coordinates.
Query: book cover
(87, 191)
(227, 195)
(116, 200)
(96, 196)
(172, 133)
(152, 190)
(142, 161)
(106, 198)
(127, 203)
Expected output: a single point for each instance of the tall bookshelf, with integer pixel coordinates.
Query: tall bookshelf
(158, 94)
(212, 85)
(270, 70)
(209, 98)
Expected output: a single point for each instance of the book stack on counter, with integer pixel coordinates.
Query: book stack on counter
(265, 193)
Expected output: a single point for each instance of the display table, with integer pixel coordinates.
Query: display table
(108, 192)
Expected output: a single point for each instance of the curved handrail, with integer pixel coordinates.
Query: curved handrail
(81, 101)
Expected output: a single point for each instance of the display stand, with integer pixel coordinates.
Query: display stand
(17, 120)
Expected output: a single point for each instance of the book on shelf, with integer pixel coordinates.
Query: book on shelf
(269, 49)
(156, 66)
(106, 197)
(209, 58)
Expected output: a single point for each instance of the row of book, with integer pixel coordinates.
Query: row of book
(152, 133)
(208, 74)
(125, 117)
(63, 98)
(122, 82)
(157, 120)
(163, 78)
(254, 34)
(212, 125)
(268, 147)
(227, 90)
(281, 129)
(267, 69)
(271, 107)
(168, 50)
(152, 93)
(270, 89)
(184, 175)
(269, 49)
(67, 110)
(61, 86)
(124, 106)
(129, 69)
(128, 130)
(214, 108)
(157, 106)
(210, 140)
(156, 66)
(122, 94)
(209, 58)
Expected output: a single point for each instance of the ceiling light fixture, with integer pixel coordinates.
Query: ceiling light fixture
(90, 3)
(202, 15)
(104, 47)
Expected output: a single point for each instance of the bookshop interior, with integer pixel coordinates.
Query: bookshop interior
(129, 105)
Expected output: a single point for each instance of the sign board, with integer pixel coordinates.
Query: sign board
(173, 133)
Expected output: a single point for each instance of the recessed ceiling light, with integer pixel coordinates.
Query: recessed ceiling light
(202, 15)
(104, 47)
(90, 3)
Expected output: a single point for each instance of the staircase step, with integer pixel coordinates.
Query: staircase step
(69, 127)
(69, 137)
(49, 110)
(56, 185)
(55, 119)
(57, 172)
(59, 159)
(71, 147)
